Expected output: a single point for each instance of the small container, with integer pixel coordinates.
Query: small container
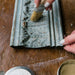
(68, 62)
(19, 70)
(58, 71)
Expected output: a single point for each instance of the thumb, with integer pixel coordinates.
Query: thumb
(70, 39)
(70, 48)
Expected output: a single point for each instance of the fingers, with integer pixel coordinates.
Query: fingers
(69, 39)
(48, 3)
(70, 48)
(49, 8)
(37, 2)
(73, 32)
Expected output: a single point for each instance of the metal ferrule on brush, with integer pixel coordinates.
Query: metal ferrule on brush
(40, 8)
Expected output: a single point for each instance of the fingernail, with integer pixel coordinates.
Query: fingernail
(34, 5)
(47, 4)
(62, 41)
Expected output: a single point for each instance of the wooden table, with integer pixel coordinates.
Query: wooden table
(43, 61)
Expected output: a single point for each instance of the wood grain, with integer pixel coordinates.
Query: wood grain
(43, 61)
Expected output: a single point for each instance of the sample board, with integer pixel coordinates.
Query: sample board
(45, 32)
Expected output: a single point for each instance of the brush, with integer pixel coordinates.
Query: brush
(37, 13)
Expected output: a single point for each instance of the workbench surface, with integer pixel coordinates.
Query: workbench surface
(45, 61)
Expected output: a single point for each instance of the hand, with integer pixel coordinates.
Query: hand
(69, 42)
(47, 3)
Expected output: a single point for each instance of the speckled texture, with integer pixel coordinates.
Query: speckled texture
(47, 31)
(43, 61)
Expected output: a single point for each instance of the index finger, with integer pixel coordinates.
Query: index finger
(37, 2)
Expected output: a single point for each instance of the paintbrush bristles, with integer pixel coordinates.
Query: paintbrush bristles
(36, 16)
(37, 13)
